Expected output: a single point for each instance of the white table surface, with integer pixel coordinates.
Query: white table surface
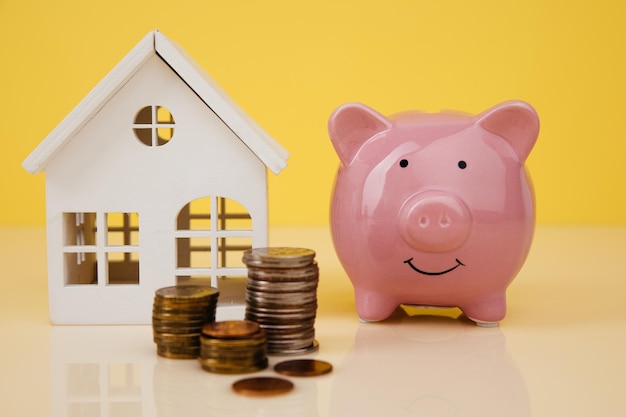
(559, 352)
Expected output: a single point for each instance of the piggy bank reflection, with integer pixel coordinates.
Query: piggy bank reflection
(429, 365)
(433, 209)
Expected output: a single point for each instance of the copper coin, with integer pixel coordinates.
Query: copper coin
(262, 386)
(303, 367)
(230, 329)
(182, 293)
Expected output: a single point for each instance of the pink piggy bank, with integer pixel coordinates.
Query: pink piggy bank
(433, 209)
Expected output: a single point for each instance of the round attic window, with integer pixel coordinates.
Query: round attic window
(154, 125)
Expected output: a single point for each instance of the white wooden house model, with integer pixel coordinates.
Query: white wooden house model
(156, 178)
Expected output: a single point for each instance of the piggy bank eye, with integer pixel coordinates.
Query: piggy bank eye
(462, 164)
(404, 163)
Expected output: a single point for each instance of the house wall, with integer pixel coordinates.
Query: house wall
(105, 168)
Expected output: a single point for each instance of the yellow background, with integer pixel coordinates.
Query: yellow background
(289, 64)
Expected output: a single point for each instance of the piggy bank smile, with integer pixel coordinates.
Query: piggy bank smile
(409, 262)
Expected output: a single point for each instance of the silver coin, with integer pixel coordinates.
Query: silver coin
(286, 287)
(281, 307)
(282, 298)
(308, 273)
(282, 312)
(313, 347)
(278, 257)
(288, 327)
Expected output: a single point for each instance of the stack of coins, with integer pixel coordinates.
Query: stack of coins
(233, 347)
(281, 295)
(178, 315)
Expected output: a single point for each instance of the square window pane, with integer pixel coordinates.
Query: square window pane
(122, 229)
(79, 229)
(194, 252)
(80, 268)
(232, 290)
(231, 251)
(123, 268)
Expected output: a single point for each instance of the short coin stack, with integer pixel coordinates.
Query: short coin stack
(281, 295)
(233, 347)
(178, 314)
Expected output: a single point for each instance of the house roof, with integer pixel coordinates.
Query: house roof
(270, 152)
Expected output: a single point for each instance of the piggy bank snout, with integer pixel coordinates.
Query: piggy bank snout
(434, 221)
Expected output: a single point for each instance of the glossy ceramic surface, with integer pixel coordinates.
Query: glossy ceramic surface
(433, 209)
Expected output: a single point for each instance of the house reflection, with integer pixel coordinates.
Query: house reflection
(101, 371)
(114, 371)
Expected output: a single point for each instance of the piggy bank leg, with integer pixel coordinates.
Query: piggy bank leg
(486, 311)
(372, 306)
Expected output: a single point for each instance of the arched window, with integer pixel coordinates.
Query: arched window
(212, 234)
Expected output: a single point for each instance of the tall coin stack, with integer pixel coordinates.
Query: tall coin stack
(281, 295)
(178, 315)
(233, 347)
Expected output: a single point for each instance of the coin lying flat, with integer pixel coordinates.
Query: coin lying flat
(279, 257)
(228, 329)
(262, 386)
(303, 367)
(186, 293)
(295, 350)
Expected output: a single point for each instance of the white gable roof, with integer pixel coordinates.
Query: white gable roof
(270, 152)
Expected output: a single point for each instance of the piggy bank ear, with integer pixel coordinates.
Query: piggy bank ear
(351, 125)
(514, 121)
